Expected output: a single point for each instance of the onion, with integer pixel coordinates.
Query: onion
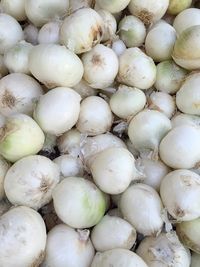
(180, 193)
(164, 251)
(132, 31)
(18, 94)
(14, 8)
(100, 66)
(78, 202)
(68, 247)
(161, 50)
(188, 233)
(117, 257)
(132, 149)
(82, 30)
(127, 101)
(10, 32)
(118, 47)
(185, 141)
(49, 33)
(162, 102)
(147, 136)
(19, 137)
(4, 166)
(57, 111)
(16, 58)
(113, 232)
(69, 166)
(153, 170)
(22, 237)
(136, 69)
(31, 34)
(31, 180)
(181, 119)
(77, 4)
(94, 123)
(149, 11)
(169, 77)
(188, 97)
(84, 90)
(3, 69)
(195, 260)
(186, 19)
(113, 6)
(176, 6)
(40, 12)
(54, 65)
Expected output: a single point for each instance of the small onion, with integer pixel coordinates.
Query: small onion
(176, 6)
(195, 260)
(100, 66)
(77, 4)
(19, 137)
(113, 6)
(84, 90)
(68, 247)
(10, 32)
(110, 25)
(169, 77)
(31, 34)
(180, 148)
(164, 251)
(81, 30)
(136, 69)
(4, 167)
(118, 47)
(16, 58)
(22, 237)
(180, 193)
(18, 94)
(78, 202)
(57, 111)
(3, 69)
(14, 8)
(54, 65)
(40, 12)
(95, 116)
(132, 31)
(181, 119)
(49, 33)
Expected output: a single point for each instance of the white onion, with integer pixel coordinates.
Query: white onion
(19, 137)
(169, 77)
(57, 111)
(18, 94)
(84, 90)
(113, 232)
(81, 30)
(68, 247)
(16, 58)
(69, 166)
(147, 136)
(164, 251)
(162, 102)
(4, 167)
(100, 66)
(136, 69)
(40, 12)
(14, 8)
(176, 6)
(49, 33)
(161, 50)
(31, 34)
(77, 4)
(113, 169)
(113, 6)
(195, 260)
(149, 11)
(118, 47)
(180, 193)
(141, 206)
(110, 25)
(186, 19)
(3, 69)
(132, 149)
(117, 258)
(181, 119)
(132, 31)
(78, 202)
(180, 148)
(10, 32)
(153, 170)
(127, 101)
(95, 116)
(22, 237)
(54, 65)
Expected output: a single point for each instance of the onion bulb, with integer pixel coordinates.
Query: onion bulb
(54, 65)
(176, 6)
(31, 34)
(137, 199)
(100, 66)
(68, 247)
(22, 237)
(195, 260)
(78, 202)
(136, 69)
(19, 137)
(180, 193)
(84, 90)
(4, 167)
(113, 6)
(81, 30)
(14, 8)
(49, 33)
(3, 69)
(181, 119)
(57, 111)
(185, 141)
(118, 47)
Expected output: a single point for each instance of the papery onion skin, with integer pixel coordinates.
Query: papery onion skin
(110, 25)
